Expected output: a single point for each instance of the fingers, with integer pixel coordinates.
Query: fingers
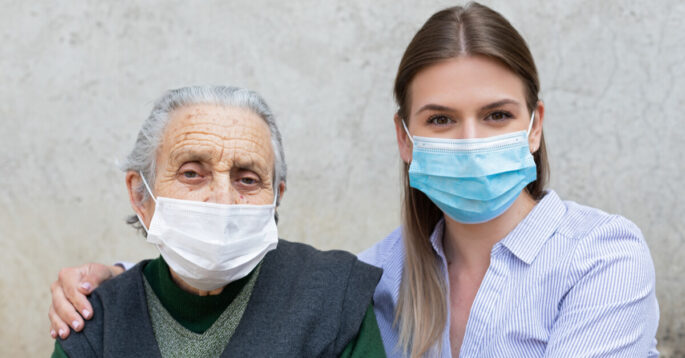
(75, 291)
(94, 274)
(69, 301)
(62, 306)
(116, 270)
(54, 325)
(57, 325)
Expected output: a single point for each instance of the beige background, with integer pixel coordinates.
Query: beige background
(77, 78)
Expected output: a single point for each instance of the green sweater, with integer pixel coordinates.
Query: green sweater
(198, 313)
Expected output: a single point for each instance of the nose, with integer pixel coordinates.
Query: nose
(469, 129)
(222, 192)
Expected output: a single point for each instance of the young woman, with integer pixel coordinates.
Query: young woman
(487, 262)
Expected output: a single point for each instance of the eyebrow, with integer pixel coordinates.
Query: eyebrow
(500, 104)
(243, 163)
(434, 107)
(440, 108)
(183, 155)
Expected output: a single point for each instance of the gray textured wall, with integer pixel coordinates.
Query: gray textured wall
(77, 78)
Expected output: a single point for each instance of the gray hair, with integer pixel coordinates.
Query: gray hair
(143, 156)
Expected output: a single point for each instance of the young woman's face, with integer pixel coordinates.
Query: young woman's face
(467, 97)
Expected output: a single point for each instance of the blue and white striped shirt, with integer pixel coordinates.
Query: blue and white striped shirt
(568, 281)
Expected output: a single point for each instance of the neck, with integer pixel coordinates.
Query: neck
(469, 245)
(190, 289)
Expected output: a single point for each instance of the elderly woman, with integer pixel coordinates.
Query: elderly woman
(204, 178)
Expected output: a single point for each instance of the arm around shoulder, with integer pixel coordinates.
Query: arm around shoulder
(83, 343)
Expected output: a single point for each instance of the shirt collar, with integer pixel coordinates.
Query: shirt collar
(436, 238)
(527, 239)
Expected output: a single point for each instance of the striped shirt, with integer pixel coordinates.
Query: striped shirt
(568, 281)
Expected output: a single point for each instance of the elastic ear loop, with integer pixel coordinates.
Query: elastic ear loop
(275, 197)
(530, 125)
(152, 195)
(407, 130)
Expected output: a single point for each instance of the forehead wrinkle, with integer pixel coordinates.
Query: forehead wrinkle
(225, 136)
(194, 137)
(248, 154)
(205, 142)
(192, 150)
(224, 131)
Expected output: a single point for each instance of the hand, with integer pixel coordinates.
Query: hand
(69, 293)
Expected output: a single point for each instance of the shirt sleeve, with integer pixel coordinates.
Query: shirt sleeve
(610, 309)
(58, 352)
(125, 265)
(368, 342)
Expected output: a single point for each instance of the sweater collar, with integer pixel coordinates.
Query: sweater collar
(197, 313)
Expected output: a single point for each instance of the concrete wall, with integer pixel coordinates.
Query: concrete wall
(77, 78)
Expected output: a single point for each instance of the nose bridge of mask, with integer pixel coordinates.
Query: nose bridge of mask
(530, 126)
(147, 186)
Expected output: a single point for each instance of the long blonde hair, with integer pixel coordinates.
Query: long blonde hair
(474, 29)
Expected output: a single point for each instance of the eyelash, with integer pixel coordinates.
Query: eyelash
(505, 114)
(254, 180)
(433, 118)
(196, 174)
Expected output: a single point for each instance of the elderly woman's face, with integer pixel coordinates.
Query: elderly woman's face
(215, 154)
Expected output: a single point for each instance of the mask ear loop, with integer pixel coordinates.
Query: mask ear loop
(530, 125)
(407, 131)
(147, 186)
(151, 195)
(275, 197)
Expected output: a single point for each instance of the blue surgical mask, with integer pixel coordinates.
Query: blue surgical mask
(472, 180)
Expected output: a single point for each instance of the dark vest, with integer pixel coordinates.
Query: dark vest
(305, 303)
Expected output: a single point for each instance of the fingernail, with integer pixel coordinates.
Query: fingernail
(75, 324)
(53, 334)
(61, 333)
(85, 286)
(86, 314)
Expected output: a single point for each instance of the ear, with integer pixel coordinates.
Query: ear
(536, 131)
(281, 191)
(143, 209)
(404, 144)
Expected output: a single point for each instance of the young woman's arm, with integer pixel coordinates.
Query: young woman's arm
(69, 291)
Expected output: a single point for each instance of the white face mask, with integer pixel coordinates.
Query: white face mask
(210, 245)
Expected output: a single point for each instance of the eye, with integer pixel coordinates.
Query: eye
(190, 174)
(499, 116)
(248, 181)
(439, 120)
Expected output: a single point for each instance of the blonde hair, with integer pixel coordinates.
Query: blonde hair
(474, 29)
